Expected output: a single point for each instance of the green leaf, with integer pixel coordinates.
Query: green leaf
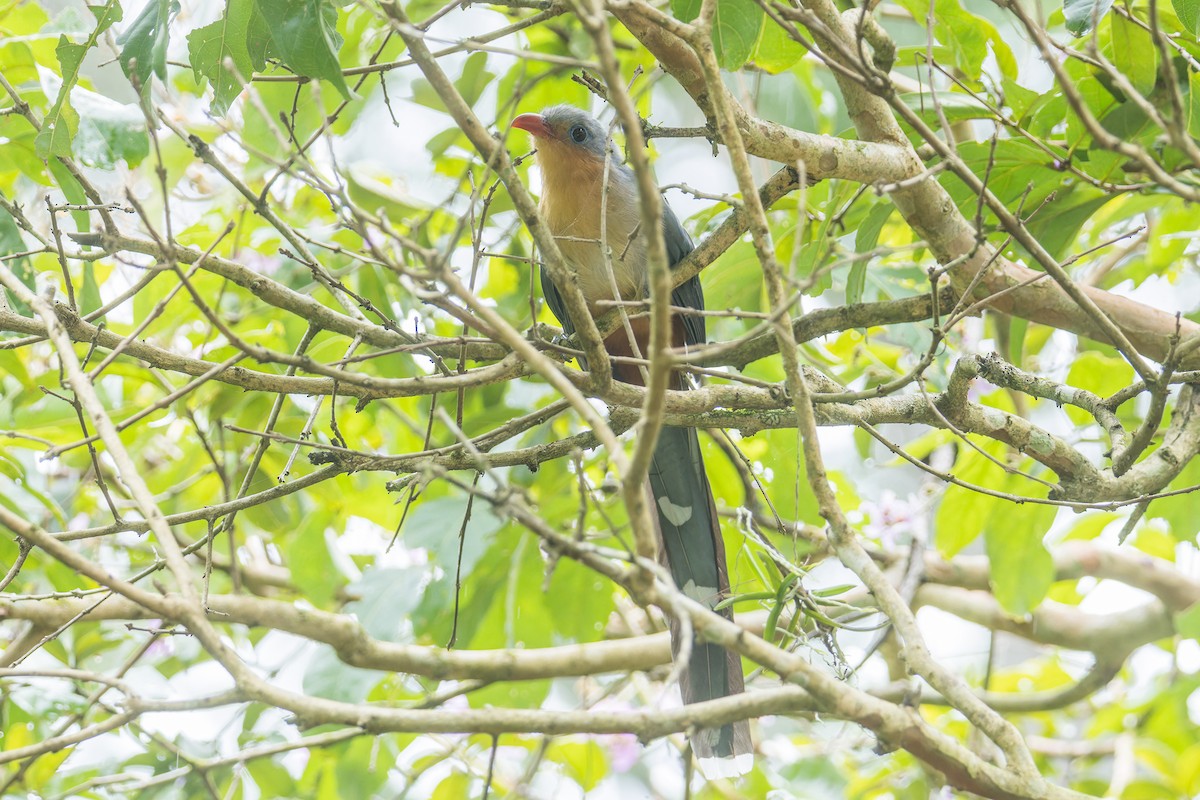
(736, 24)
(60, 124)
(1154, 539)
(1187, 622)
(778, 456)
(963, 513)
(521, 614)
(776, 50)
(1100, 101)
(1083, 15)
(1089, 527)
(441, 142)
(960, 519)
(736, 278)
(11, 366)
(584, 761)
(1180, 510)
(386, 598)
(89, 299)
(454, 786)
(303, 35)
(470, 85)
(434, 525)
(821, 779)
(1019, 99)
(58, 128)
(1193, 123)
(11, 242)
(72, 190)
(325, 675)
(44, 768)
(857, 282)
(1022, 569)
(220, 54)
(1134, 54)
(1057, 226)
(363, 768)
(308, 557)
(967, 36)
(1017, 328)
(271, 778)
(108, 132)
(868, 232)
(144, 50)
(582, 619)
(474, 78)
(424, 93)
(1189, 15)
(1099, 374)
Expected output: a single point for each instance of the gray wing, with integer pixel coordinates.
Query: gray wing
(555, 301)
(689, 294)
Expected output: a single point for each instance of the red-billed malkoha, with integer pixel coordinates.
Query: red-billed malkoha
(571, 150)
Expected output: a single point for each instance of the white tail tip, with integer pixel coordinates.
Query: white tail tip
(730, 767)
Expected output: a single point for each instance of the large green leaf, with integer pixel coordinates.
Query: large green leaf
(736, 25)
(386, 598)
(72, 190)
(1134, 53)
(963, 513)
(1189, 15)
(471, 84)
(144, 44)
(1084, 15)
(474, 78)
(303, 35)
(59, 125)
(776, 50)
(1099, 374)
(220, 52)
(735, 281)
(583, 761)
(1180, 510)
(109, 132)
(309, 560)
(434, 526)
(778, 459)
(521, 614)
(868, 232)
(1193, 94)
(1187, 622)
(968, 36)
(960, 518)
(11, 242)
(1022, 569)
(325, 675)
(1057, 226)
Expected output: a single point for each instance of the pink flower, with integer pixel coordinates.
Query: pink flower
(890, 517)
(623, 750)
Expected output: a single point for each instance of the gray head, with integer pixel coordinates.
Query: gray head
(574, 129)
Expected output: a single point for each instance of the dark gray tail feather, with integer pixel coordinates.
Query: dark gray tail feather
(695, 555)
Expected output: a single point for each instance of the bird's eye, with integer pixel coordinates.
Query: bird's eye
(579, 133)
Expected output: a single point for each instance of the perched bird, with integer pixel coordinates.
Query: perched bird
(571, 153)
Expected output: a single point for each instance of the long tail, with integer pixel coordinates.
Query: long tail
(695, 555)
